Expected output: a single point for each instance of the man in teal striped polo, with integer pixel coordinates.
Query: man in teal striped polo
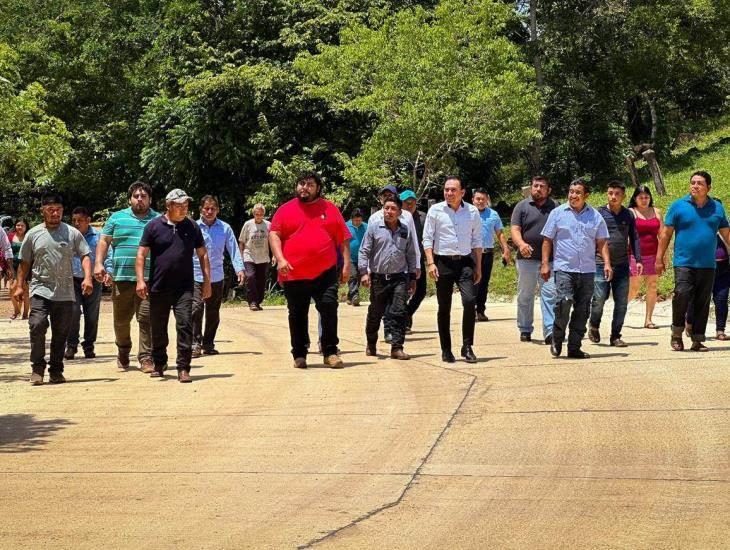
(123, 231)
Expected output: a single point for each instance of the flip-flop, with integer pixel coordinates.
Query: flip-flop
(651, 326)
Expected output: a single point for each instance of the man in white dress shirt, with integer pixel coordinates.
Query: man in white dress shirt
(452, 242)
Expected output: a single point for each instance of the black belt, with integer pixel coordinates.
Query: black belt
(449, 257)
(388, 276)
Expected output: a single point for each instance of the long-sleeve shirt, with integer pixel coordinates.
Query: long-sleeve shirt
(5, 246)
(218, 238)
(385, 251)
(405, 218)
(621, 234)
(574, 236)
(452, 232)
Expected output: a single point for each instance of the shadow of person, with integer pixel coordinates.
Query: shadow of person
(22, 433)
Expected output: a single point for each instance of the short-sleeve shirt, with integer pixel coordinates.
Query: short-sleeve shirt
(490, 223)
(309, 233)
(51, 252)
(695, 229)
(255, 238)
(126, 229)
(171, 247)
(574, 236)
(531, 219)
(356, 236)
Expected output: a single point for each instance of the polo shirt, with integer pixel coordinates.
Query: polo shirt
(450, 232)
(218, 238)
(171, 247)
(695, 229)
(92, 239)
(621, 234)
(490, 223)
(126, 229)
(309, 232)
(356, 236)
(531, 220)
(574, 236)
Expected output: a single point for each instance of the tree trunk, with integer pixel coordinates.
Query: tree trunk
(633, 173)
(534, 152)
(654, 118)
(656, 173)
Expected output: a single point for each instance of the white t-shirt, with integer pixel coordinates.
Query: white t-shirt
(255, 238)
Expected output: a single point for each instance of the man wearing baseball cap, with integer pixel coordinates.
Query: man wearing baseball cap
(410, 204)
(170, 240)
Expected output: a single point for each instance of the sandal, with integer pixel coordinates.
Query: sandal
(650, 325)
(722, 336)
(699, 346)
(677, 344)
(14, 316)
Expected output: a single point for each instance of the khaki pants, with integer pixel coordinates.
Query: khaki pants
(126, 304)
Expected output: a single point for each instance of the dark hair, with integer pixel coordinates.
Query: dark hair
(303, 176)
(139, 184)
(356, 213)
(480, 190)
(703, 174)
(638, 191)
(82, 211)
(616, 184)
(538, 177)
(25, 222)
(211, 198)
(395, 199)
(51, 198)
(583, 183)
(452, 177)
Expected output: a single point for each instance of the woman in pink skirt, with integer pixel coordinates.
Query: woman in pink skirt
(648, 224)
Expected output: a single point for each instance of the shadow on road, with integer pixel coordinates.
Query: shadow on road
(22, 433)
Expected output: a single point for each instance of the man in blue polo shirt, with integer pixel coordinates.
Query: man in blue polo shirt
(573, 233)
(357, 230)
(695, 219)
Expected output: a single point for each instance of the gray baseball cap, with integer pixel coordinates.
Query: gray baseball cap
(177, 195)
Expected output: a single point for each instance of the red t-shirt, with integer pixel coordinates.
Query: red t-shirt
(309, 234)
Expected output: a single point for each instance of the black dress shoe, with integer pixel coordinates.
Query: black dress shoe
(525, 337)
(89, 354)
(448, 357)
(556, 348)
(468, 354)
(578, 354)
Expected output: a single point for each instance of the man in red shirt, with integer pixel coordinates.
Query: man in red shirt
(303, 235)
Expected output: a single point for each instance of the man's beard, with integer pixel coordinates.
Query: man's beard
(309, 198)
(140, 207)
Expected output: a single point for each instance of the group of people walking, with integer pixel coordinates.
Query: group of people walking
(572, 255)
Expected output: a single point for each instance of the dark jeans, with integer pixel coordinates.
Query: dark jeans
(483, 286)
(692, 289)
(353, 283)
(574, 291)
(420, 293)
(90, 305)
(619, 287)
(211, 308)
(720, 293)
(181, 304)
(459, 272)
(255, 281)
(60, 314)
(392, 292)
(323, 290)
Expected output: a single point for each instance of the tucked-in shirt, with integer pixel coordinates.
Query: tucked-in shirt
(356, 235)
(309, 232)
(171, 246)
(255, 239)
(490, 223)
(621, 234)
(6, 248)
(51, 252)
(406, 218)
(92, 239)
(126, 229)
(386, 251)
(218, 238)
(574, 236)
(452, 233)
(695, 229)
(531, 219)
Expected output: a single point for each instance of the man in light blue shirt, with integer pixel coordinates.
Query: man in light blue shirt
(573, 233)
(357, 229)
(452, 242)
(218, 237)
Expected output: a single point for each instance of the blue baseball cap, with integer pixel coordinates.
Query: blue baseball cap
(390, 188)
(407, 194)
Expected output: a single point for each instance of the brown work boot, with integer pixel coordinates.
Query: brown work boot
(300, 363)
(123, 360)
(147, 366)
(183, 377)
(399, 354)
(56, 378)
(197, 352)
(333, 361)
(36, 379)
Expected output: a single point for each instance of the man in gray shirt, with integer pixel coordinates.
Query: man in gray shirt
(387, 262)
(49, 248)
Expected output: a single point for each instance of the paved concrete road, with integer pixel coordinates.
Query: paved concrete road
(629, 450)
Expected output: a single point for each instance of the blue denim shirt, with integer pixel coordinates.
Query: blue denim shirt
(574, 237)
(218, 238)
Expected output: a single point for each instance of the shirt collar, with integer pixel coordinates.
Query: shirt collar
(202, 223)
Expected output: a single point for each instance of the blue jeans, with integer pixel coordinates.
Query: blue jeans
(90, 305)
(619, 287)
(528, 279)
(574, 291)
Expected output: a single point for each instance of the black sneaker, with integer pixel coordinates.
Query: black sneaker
(70, 353)
(89, 354)
(525, 337)
(594, 335)
(549, 340)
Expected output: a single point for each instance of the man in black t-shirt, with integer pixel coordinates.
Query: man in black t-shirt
(171, 239)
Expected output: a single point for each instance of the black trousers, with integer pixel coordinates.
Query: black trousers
(323, 290)
(60, 314)
(692, 288)
(181, 304)
(256, 281)
(391, 292)
(459, 272)
(483, 286)
(420, 293)
(211, 309)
